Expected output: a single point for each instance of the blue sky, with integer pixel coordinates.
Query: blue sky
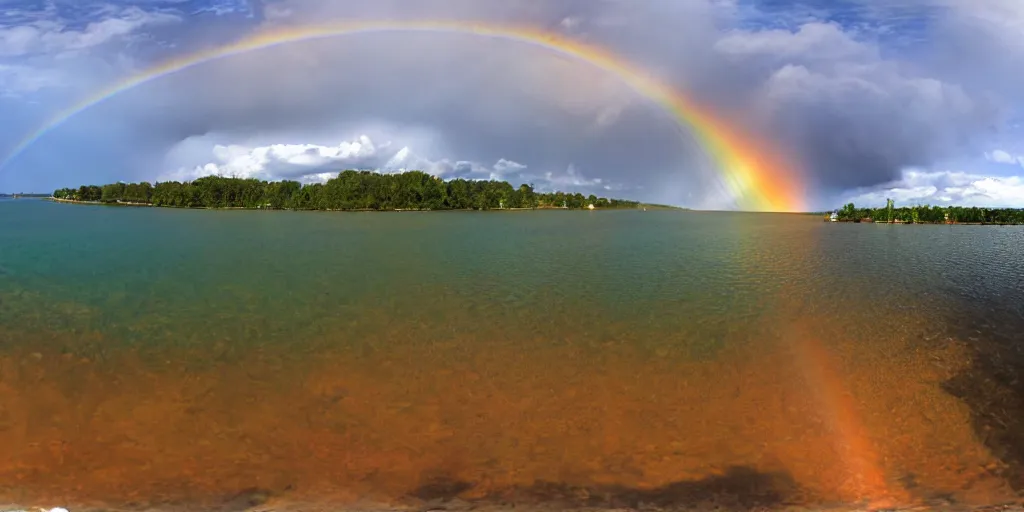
(913, 99)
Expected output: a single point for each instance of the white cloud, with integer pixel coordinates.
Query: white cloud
(305, 162)
(49, 36)
(504, 166)
(1002, 157)
(573, 179)
(222, 8)
(608, 115)
(816, 40)
(946, 188)
(405, 160)
(275, 12)
(311, 163)
(502, 170)
(1003, 18)
(16, 80)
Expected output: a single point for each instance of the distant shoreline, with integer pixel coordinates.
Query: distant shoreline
(349, 191)
(538, 208)
(919, 223)
(925, 214)
(97, 203)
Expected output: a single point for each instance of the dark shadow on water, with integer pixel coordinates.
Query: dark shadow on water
(443, 489)
(993, 384)
(739, 488)
(246, 500)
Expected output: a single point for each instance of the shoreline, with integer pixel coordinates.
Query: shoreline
(95, 203)
(926, 214)
(358, 210)
(926, 223)
(350, 189)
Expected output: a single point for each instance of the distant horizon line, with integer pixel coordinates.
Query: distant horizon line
(688, 208)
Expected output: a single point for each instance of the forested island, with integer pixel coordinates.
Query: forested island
(928, 214)
(350, 190)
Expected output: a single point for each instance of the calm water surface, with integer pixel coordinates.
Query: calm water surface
(156, 357)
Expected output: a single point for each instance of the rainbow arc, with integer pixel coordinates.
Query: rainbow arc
(755, 177)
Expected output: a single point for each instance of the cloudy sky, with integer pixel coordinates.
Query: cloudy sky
(919, 100)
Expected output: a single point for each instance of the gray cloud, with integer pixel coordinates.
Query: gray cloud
(480, 101)
(850, 96)
(851, 116)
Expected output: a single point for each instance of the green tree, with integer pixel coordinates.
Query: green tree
(847, 212)
(350, 190)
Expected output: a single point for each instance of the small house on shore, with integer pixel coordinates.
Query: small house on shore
(834, 217)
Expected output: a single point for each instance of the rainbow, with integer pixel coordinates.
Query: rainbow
(756, 178)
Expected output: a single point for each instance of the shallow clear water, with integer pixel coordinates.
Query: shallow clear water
(157, 356)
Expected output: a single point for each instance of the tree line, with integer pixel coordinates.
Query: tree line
(930, 214)
(350, 190)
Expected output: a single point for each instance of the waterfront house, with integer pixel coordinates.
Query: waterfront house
(834, 217)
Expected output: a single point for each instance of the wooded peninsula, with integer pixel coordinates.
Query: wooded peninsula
(928, 215)
(350, 190)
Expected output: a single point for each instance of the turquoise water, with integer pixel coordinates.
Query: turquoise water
(279, 274)
(602, 358)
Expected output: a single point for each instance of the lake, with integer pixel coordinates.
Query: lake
(227, 359)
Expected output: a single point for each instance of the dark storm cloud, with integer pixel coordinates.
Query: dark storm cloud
(842, 86)
(863, 126)
(849, 115)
